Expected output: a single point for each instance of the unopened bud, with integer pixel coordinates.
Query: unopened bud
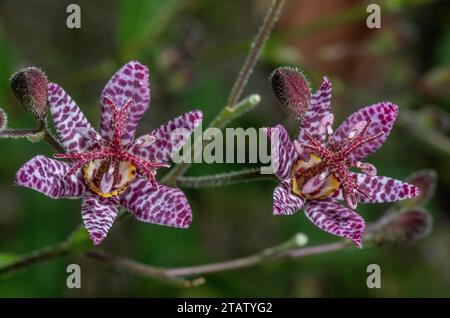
(292, 90)
(3, 119)
(29, 85)
(403, 227)
(425, 180)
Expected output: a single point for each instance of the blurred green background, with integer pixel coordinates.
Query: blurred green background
(194, 50)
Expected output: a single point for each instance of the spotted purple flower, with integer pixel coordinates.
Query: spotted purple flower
(315, 169)
(112, 169)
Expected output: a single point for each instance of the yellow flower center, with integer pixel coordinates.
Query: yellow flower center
(122, 173)
(303, 171)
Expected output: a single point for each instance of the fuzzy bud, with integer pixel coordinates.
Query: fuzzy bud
(292, 90)
(403, 227)
(425, 180)
(29, 85)
(3, 119)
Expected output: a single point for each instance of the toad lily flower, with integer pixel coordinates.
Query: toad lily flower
(315, 169)
(111, 169)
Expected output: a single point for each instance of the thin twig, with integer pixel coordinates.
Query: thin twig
(19, 133)
(51, 139)
(178, 275)
(255, 52)
(222, 119)
(143, 270)
(411, 120)
(222, 179)
(35, 257)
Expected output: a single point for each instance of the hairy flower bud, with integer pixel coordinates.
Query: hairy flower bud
(3, 119)
(292, 90)
(29, 85)
(403, 227)
(425, 180)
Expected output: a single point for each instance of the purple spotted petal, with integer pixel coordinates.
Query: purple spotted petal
(382, 117)
(98, 215)
(284, 201)
(318, 109)
(170, 137)
(45, 175)
(130, 82)
(334, 218)
(164, 206)
(384, 189)
(68, 119)
(282, 151)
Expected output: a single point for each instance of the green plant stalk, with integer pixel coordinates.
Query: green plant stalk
(288, 250)
(255, 52)
(222, 119)
(223, 179)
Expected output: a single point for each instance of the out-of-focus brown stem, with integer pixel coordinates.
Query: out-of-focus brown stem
(178, 275)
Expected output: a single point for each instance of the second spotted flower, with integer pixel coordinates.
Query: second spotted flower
(315, 168)
(112, 169)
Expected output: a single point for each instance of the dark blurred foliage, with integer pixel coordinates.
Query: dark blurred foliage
(194, 50)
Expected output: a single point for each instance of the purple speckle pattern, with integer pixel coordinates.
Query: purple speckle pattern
(327, 213)
(98, 215)
(332, 217)
(382, 117)
(285, 202)
(130, 82)
(283, 153)
(318, 109)
(46, 175)
(164, 206)
(166, 145)
(147, 201)
(68, 119)
(384, 189)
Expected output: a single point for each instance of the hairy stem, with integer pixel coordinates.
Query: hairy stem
(225, 116)
(222, 179)
(255, 52)
(411, 121)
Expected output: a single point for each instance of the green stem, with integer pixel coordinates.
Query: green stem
(411, 121)
(289, 250)
(223, 179)
(35, 257)
(255, 52)
(225, 116)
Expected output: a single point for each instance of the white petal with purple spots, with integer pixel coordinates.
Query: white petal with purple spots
(68, 119)
(284, 201)
(163, 206)
(384, 189)
(332, 217)
(170, 137)
(319, 108)
(46, 175)
(283, 153)
(98, 215)
(382, 117)
(130, 82)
